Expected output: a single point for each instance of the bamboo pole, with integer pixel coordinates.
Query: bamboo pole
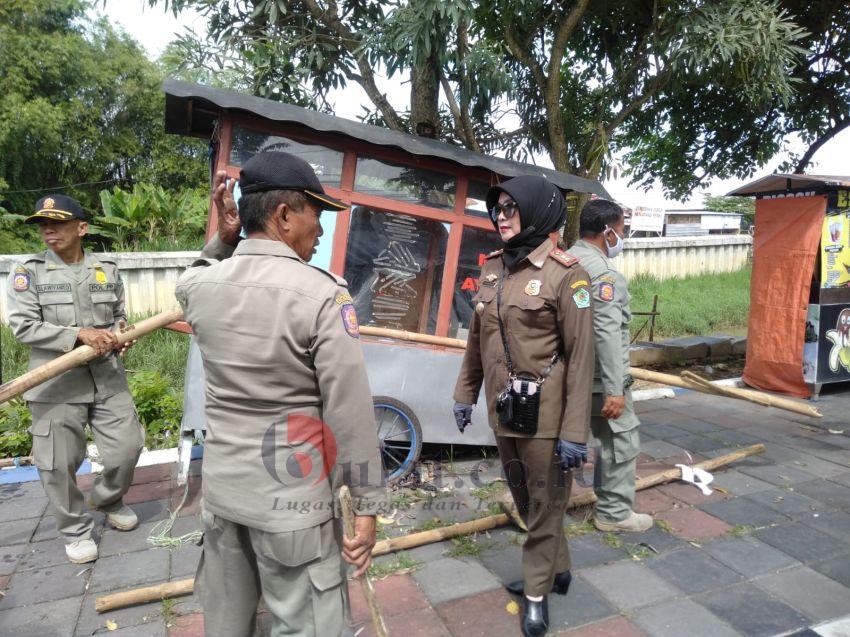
(184, 587)
(385, 332)
(144, 595)
(365, 582)
(11, 462)
(82, 355)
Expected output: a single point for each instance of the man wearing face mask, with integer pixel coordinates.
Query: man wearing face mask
(613, 420)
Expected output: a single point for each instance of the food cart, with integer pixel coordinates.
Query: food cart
(799, 325)
(410, 245)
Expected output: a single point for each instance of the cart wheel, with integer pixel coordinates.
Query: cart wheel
(399, 434)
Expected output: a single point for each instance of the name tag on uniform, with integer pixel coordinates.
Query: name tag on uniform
(101, 287)
(52, 287)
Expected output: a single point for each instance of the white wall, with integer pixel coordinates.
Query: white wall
(150, 277)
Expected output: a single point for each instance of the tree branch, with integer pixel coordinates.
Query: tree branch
(816, 146)
(466, 136)
(329, 18)
(525, 58)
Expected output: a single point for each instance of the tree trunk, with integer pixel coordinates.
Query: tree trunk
(425, 98)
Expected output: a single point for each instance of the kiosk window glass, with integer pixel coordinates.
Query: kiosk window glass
(405, 183)
(325, 161)
(476, 197)
(475, 244)
(394, 268)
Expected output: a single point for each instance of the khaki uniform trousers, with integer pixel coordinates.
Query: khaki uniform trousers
(541, 491)
(614, 471)
(59, 448)
(298, 573)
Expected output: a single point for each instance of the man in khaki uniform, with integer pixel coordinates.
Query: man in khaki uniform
(59, 299)
(613, 422)
(288, 407)
(543, 298)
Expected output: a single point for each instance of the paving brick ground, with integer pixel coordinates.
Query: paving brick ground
(767, 554)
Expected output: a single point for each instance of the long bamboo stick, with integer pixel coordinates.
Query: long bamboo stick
(82, 355)
(153, 593)
(365, 582)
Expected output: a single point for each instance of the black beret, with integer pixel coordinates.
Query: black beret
(56, 208)
(273, 170)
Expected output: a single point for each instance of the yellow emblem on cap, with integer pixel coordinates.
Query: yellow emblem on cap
(100, 276)
(49, 203)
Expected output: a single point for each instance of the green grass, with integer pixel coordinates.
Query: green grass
(466, 546)
(700, 305)
(402, 563)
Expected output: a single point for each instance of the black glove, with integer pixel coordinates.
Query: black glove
(463, 415)
(572, 454)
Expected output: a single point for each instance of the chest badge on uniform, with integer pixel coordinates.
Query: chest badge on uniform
(349, 320)
(21, 280)
(582, 298)
(100, 276)
(490, 279)
(606, 291)
(533, 287)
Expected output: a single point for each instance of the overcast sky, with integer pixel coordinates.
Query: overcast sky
(154, 29)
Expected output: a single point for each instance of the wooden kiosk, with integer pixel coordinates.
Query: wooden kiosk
(410, 245)
(799, 327)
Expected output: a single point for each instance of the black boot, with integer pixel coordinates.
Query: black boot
(535, 617)
(560, 586)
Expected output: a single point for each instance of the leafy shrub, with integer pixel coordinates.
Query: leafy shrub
(159, 406)
(14, 421)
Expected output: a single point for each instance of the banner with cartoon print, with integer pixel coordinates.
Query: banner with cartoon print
(834, 343)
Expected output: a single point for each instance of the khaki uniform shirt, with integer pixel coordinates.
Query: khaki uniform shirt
(48, 305)
(612, 317)
(288, 405)
(546, 308)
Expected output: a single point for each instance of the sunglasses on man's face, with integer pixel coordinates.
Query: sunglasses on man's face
(509, 209)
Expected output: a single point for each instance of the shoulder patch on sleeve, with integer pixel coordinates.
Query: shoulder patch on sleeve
(345, 297)
(349, 320)
(494, 254)
(582, 298)
(605, 291)
(565, 259)
(21, 279)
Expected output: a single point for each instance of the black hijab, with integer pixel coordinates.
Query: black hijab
(542, 210)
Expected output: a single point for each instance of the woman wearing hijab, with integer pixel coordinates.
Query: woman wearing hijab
(531, 344)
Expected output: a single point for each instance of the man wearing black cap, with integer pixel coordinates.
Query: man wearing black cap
(59, 299)
(288, 407)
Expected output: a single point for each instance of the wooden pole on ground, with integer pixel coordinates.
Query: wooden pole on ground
(154, 593)
(82, 355)
(365, 582)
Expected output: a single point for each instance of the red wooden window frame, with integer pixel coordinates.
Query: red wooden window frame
(352, 149)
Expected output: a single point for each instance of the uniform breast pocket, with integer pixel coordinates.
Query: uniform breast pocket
(103, 304)
(483, 299)
(530, 311)
(58, 308)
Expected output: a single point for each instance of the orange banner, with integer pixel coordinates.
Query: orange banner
(785, 247)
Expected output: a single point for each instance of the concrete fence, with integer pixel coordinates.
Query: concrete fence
(150, 277)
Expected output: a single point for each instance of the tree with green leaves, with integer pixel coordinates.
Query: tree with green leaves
(81, 107)
(746, 206)
(672, 84)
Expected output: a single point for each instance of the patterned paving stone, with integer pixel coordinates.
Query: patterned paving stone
(739, 511)
(653, 501)
(815, 595)
(668, 619)
(749, 556)
(793, 504)
(45, 585)
(778, 474)
(188, 626)
(43, 554)
(801, 541)
(91, 622)
(481, 615)
(659, 448)
(118, 572)
(582, 605)
(834, 523)
(10, 556)
(842, 479)
(689, 494)
(693, 570)
(837, 568)
(695, 426)
(21, 508)
(817, 466)
(828, 492)
(589, 550)
(752, 611)
(619, 626)
(468, 577)
(504, 562)
(153, 629)
(695, 442)
(17, 531)
(740, 483)
(114, 542)
(48, 619)
(656, 537)
(629, 585)
(694, 525)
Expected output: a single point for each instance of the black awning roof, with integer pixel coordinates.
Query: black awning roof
(783, 182)
(191, 109)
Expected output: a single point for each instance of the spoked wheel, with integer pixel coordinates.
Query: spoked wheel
(399, 434)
